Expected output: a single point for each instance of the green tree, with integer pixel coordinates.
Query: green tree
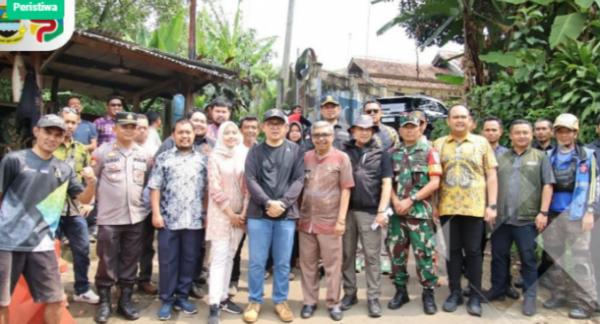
(124, 16)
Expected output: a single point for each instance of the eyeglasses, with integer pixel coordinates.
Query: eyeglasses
(372, 111)
(70, 110)
(321, 135)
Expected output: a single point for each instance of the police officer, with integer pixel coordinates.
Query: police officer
(417, 172)
(121, 167)
(571, 220)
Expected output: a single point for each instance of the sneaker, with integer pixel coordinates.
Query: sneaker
(230, 307)
(267, 274)
(233, 289)
(89, 297)
(185, 306)
(386, 265)
(284, 312)
(164, 312)
(251, 313)
(292, 276)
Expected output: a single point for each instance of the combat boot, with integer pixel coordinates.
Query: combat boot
(104, 308)
(125, 306)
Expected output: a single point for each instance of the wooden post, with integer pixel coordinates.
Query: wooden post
(54, 94)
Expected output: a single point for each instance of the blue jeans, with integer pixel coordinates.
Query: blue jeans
(75, 228)
(502, 240)
(178, 252)
(276, 237)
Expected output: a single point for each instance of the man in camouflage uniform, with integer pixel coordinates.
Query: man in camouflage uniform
(417, 172)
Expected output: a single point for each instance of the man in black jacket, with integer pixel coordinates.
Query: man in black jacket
(372, 171)
(275, 178)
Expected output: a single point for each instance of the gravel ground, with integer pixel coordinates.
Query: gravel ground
(508, 311)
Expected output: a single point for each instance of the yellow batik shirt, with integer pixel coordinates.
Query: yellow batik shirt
(464, 163)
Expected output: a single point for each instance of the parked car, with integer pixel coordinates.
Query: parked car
(393, 107)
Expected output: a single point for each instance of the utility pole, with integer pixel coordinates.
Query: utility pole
(189, 90)
(285, 67)
(192, 31)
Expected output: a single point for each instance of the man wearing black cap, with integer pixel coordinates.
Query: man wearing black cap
(330, 112)
(34, 185)
(275, 177)
(121, 167)
(372, 170)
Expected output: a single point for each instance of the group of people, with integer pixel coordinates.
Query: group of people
(317, 193)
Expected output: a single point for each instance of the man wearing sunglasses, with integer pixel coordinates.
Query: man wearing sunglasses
(386, 136)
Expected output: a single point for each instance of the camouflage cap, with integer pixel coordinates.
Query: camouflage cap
(410, 118)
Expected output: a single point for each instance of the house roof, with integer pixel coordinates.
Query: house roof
(399, 74)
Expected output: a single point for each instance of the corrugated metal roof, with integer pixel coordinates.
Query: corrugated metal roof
(184, 62)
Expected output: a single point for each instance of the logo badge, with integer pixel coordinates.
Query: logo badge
(35, 25)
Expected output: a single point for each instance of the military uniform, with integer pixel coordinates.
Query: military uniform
(413, 167)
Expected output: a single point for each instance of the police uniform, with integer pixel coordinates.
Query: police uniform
(413, 167)
(121, 176)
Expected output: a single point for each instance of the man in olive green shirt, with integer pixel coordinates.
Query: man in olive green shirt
(73, 224)
(525, 180)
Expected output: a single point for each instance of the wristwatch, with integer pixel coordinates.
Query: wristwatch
(492, 206)
(545, 213)
(413, 197)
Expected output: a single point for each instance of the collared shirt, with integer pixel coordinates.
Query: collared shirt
(499, 150)
(413, 168)
(326, 177)
(85, 132)
(104, 126)
(181, 179)
(537, 145)
(77, 157)
(521, 178)
(464, 164)
(121, 177)
(212, 131)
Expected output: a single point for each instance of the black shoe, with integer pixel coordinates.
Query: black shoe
(196, 291)
(125, 306)
(491, 295)
(374, 308)
(103, 311)
(467, 291)
(554, 302)
(308, 311)
(348, 301)
(519, 283)
(213, 314)
(452, 302)
(336, 313)
(428, 299)
(579, 312)
(529, 308)
(399, 299)
(474, 306)
(230, 307)
(512, 293)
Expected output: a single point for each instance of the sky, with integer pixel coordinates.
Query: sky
(336, 29)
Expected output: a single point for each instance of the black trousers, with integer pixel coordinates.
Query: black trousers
(147, 251)
(200, 264)
(118, 248)
(463, 238)
(235, 271)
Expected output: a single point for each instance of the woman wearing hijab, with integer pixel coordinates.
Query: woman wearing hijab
(296, 134)
(228, 200)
